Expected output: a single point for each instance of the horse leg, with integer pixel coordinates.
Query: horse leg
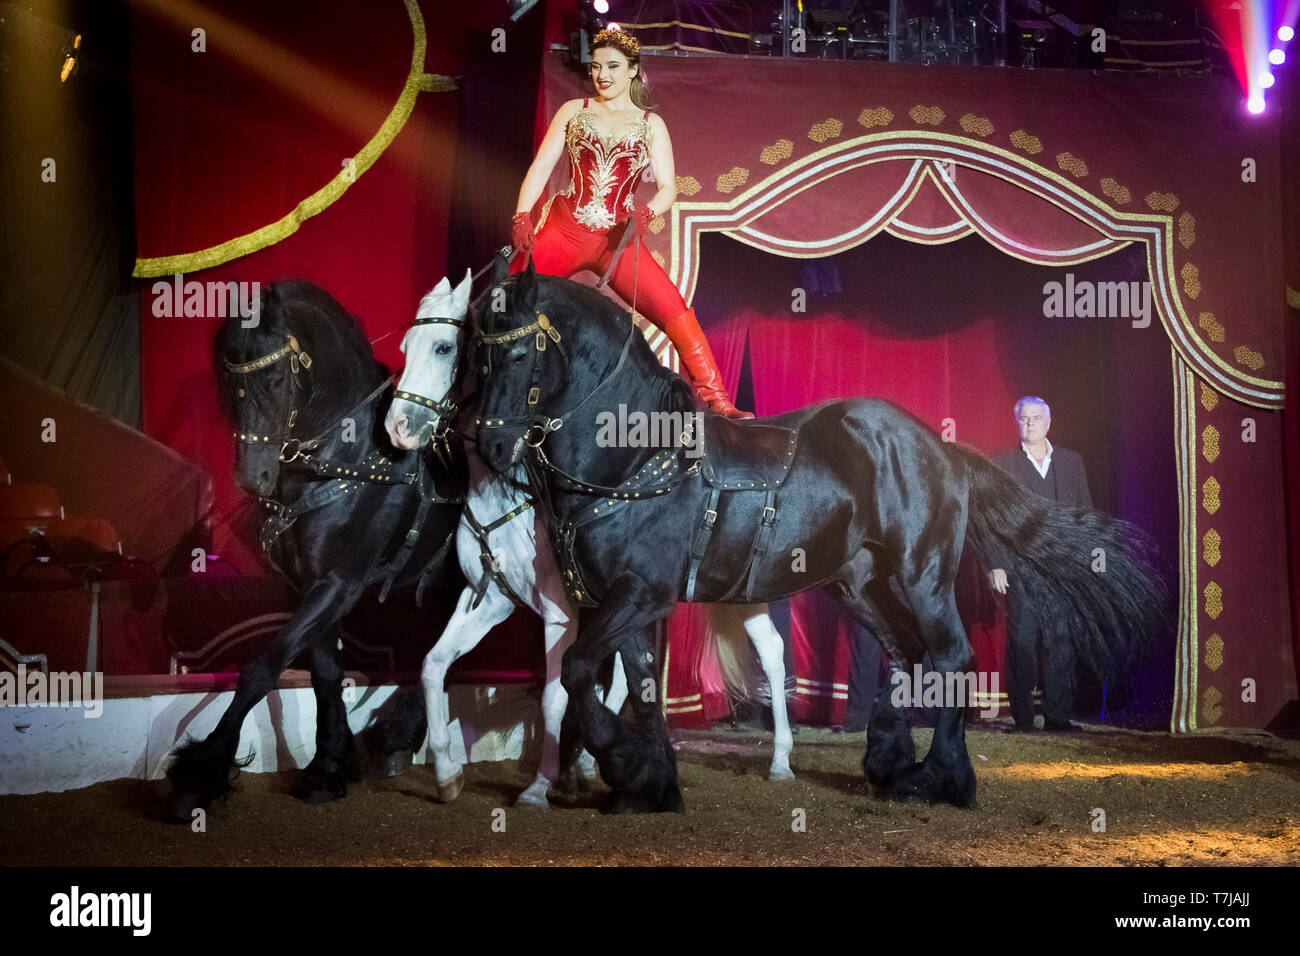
(615, 697)
(638, 761)
(559, 635)
(771, 656)
(200, 770)
(466, 628)
(946, 773)
(336, 759)
(890, 748)
(651, 764)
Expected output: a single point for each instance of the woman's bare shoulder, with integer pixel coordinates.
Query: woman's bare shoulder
(568, 108)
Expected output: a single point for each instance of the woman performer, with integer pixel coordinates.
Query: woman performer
(611, 140)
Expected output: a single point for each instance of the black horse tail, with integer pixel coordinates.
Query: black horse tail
(1089, 578)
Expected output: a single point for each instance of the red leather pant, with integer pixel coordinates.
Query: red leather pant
(563, 247)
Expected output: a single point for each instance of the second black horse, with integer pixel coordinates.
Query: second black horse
(344, 511)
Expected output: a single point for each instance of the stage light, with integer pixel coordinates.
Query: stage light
(1266, 80)
(70, 59)
(602, 6)
(49, 38)
(1256, 103)
(1285, 34)
(519, 7)
(1276, 57)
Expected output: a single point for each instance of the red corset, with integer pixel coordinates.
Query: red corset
(604, 171)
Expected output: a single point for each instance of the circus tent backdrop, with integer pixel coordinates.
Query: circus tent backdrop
(1072, 178)
(922, 210)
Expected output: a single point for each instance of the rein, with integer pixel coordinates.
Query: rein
(539, 426)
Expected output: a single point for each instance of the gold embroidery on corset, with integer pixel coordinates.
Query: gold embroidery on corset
(633, 143)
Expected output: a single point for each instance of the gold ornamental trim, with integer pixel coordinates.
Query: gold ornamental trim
(826, 129)
(978, 125)
(1210, 495)
(1213, 600)
(1210, 443)
(1211, 705)
(1214, 652)
(1210, 548)
(1161, 202)
(1072, 164)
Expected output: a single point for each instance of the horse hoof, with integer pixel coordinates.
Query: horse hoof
(565, 785)
(396, 763)
(180, 806)
(322, 789)
(780, 773)
(449, 790)
(530, 801)
(322, 795)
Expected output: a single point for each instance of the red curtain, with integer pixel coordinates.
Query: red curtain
(231, 139)
(954, 334)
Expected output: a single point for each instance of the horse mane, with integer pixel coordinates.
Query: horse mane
(343, 361)
(583, 304)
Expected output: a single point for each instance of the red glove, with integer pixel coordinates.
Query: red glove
(642, 218)
(521, 232)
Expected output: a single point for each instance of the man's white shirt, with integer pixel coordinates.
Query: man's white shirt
(1046, 462)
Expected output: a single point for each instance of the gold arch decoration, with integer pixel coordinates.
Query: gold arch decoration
(1162, 232)
(417, 81)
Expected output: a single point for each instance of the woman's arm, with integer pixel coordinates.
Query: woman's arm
(548, 154)
(661, 162)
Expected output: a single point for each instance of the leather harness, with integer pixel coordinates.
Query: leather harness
(342, 477)
(661, 473)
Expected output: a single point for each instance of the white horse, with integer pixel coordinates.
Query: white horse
(431, 348)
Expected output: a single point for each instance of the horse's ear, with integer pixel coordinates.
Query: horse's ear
(526, 289)
(270, 312)
(460, 296)
(501, 267)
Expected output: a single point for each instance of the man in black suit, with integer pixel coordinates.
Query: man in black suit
(1055, 473)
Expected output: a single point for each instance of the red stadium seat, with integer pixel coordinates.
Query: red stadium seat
(79, 538)
(29, 501)
(15, 530)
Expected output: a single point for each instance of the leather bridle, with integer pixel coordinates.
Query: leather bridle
(446, 408)
(298, 361)
(295, 451)
(537, 426)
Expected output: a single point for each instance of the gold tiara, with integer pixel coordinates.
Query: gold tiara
(620, 39)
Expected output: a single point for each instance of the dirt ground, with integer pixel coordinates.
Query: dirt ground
(1205, 799)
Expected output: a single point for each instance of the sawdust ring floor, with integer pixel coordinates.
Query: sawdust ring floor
(1218, 799)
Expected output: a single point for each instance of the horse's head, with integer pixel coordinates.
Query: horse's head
(422, 403)
(545, 347)
(522, 372)
(289, 376)
(265, 377)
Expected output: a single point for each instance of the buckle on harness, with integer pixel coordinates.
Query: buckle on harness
(553, 425)
(297, 450)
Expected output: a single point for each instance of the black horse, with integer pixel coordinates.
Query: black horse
(844, 495)
(343, 511)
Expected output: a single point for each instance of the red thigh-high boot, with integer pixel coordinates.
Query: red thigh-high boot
(697, 358)
(638, 278)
